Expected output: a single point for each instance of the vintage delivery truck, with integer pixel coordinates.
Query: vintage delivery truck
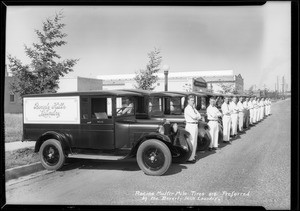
(101, 125)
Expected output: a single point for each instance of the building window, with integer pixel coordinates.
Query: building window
(11, 98)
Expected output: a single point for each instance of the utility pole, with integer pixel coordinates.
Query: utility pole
(277, 84)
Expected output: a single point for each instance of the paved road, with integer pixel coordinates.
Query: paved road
(254, 170)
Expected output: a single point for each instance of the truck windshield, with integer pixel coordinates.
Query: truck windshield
(155, 106)
(176, 106)
(125, 106)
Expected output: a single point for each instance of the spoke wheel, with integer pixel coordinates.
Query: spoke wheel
(51, 154)
(154, 157)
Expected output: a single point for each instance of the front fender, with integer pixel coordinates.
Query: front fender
(181, 138)
(151, 135)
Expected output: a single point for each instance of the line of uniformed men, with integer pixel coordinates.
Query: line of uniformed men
(235, 115)
(239, 116)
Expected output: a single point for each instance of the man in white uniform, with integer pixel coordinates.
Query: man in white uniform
(234, 116)
(267, 106)
(250, 106)
(192, 116)
(226, 120)
(258, 110)
(262, 104)
(241, 114)
(212, 116)
(254, 102)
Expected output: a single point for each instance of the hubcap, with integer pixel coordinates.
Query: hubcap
(51, 155)
(153, 158)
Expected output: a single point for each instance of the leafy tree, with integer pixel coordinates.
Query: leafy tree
(226, 88)
(42, 75)
(250, 90)
(145, 78)
(187, 87)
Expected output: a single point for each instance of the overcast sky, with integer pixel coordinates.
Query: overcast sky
(253, 41)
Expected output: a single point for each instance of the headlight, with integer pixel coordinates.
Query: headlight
(175, 127)
(161, 130)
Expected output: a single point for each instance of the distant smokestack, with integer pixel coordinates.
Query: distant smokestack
(166, 79)
(277, 84)
(166, 72)
(282, 84)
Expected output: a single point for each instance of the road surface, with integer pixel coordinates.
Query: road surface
(253, 171)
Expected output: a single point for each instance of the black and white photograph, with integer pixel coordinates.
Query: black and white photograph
(148, 105)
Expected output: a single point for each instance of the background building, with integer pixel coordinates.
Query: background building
(79, 84)
(12, 102)
(180, 81)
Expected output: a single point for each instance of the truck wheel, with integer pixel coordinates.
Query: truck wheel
(203, 143)
(154, 157)
(51, 154)
(184, 154)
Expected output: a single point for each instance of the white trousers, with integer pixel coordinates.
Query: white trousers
(254, 115)
(214, 133)
(234, 119)
(251, 116)
(257, 114)
(241, 121)
(193, 130)
(262, 112)
(226, 120)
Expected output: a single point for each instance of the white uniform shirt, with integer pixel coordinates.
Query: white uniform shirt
(213, 113)
(257, 104)
(250, 105)
(225, 109)
(262, 103)
(254, 103)
(240, 106)
(234, 108)
(191, 114)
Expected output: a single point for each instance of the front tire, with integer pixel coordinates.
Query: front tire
(154, 157)
(51, 154)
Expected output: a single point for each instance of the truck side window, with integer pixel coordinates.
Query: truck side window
(203, 103)
(84, 108)
(101, 108)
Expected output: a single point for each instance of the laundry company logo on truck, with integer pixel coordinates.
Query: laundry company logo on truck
(51, 110)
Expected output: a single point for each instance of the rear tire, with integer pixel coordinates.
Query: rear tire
(154, 157)
(52, 155)
(203, 143)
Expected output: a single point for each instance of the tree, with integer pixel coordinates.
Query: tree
(42, 75)
(145, 78)
(226, 88)
(250, 90)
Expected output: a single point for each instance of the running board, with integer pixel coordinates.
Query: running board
(97, 157)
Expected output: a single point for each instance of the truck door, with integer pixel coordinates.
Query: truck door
(97, 129)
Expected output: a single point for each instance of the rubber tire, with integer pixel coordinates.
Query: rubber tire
(58, 146)
(203, 144)
(184, 156)
(160, 145)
